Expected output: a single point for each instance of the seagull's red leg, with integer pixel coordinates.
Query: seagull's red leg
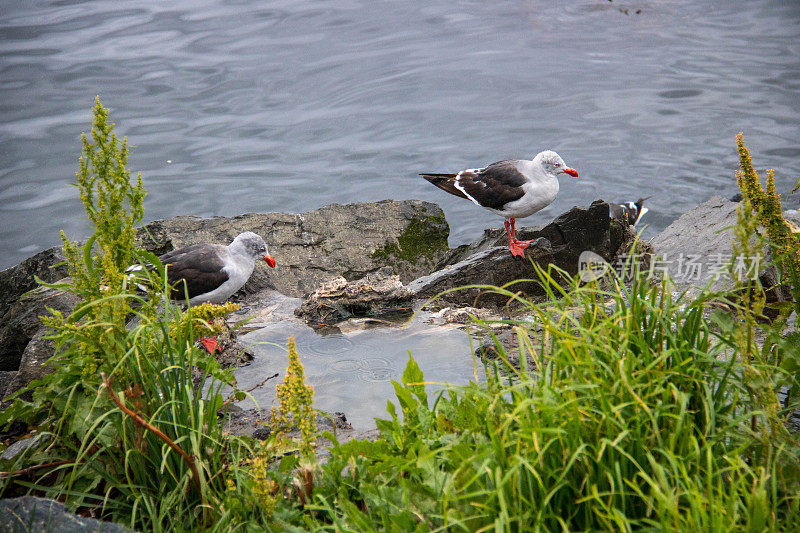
(508, 230)
(524, 244)
(517, 247)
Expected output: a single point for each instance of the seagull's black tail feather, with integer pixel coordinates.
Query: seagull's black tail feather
(438, 174)
(446, 182)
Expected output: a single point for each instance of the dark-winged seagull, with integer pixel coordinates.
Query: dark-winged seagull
(214, 272)
(629, 214)
(512, 188)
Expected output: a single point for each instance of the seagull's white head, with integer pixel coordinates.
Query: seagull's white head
(253, 246)
(552, 164)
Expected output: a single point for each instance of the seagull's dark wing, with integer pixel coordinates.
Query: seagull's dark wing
(494, 186)
(200, 266)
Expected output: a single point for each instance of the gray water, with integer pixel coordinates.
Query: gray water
(290, 105)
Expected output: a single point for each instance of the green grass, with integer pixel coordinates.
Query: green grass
(639, 419)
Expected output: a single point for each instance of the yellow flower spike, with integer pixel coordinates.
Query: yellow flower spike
(296, 398)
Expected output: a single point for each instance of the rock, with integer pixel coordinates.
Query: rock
(16, 448)
(32, 366)
(489, 262)
(378, 295)
(489, 352)
(495, 266)
(30, 513)
(17, 280)
(255, 423)
(262, 309)
(6, 377)
(466, 315)
(792, 216)
(21, 322)
(696, 249)
(311, 248)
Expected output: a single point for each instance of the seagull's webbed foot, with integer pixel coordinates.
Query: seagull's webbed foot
(518, 247)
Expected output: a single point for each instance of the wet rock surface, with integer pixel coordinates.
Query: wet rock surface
(30, 513)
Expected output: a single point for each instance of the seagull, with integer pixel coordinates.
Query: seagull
(212, 272)
(512, 188)
(629, 214)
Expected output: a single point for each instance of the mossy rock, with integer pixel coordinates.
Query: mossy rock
(417, 250)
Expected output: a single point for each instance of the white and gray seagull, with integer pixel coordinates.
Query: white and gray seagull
(214, 272)
(512, 188)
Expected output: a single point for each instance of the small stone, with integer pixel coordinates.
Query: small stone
(31, 513)
(22, 445)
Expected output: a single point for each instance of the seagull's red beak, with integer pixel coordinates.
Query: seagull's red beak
(270, 261)
(571, 171)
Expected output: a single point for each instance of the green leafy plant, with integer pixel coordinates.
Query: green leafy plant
(133, 435)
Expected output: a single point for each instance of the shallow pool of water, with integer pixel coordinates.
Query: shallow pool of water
(352, 372)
